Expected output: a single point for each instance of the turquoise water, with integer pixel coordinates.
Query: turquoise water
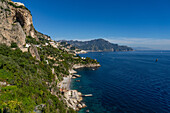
(127, 82)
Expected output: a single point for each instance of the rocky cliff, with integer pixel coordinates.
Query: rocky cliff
(34, 52)
(16, 23)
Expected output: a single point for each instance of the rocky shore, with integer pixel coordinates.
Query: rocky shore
(73, 98)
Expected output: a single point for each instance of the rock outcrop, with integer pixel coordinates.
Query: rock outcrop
(16, 23)
(34, 52)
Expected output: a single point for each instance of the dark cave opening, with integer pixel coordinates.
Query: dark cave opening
(20, 18)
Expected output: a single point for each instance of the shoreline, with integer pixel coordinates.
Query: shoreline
(74, 98)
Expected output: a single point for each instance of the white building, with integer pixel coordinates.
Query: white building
(27, 45)
(37, 45)
(83, 58)
(46, 44)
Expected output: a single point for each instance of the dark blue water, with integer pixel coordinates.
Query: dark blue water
(127, 82)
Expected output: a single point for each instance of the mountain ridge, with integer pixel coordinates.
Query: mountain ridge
(97, 45)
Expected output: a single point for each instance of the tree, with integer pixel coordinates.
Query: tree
(14, 45)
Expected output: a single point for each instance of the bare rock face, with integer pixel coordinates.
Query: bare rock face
(34, 52)
(15, 23)
(13, 34)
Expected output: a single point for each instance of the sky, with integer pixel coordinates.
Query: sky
(136, 23)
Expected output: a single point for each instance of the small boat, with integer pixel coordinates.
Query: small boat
(87, 111)
(77, 80)
(76, 75)
(93, 69)
(156, 60)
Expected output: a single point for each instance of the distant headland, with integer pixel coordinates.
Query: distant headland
(98, 45)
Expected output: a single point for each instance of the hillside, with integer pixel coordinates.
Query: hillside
(32, 65)
(99, 45)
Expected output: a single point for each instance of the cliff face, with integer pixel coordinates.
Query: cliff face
(16, 23)
(34, 52)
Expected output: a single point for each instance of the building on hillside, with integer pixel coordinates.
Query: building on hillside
(27, 45)
(37, 45)
(46, 44)
(83, 58)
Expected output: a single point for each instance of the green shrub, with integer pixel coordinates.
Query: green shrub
(28, 78)
(8, 10)
(14, 45)
(28, 83)
(31, 40)
(5, 75)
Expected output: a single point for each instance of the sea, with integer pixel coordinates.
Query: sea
(126, 82)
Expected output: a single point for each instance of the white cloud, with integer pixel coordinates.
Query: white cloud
(142, 42)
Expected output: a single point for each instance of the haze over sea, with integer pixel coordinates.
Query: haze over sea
(126, 82)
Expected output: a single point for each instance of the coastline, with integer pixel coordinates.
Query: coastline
(74, 98)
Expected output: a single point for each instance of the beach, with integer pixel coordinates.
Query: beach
(73, 98)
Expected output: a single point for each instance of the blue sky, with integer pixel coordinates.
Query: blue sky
(140, 23)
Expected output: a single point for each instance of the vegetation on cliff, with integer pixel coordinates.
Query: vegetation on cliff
(27, 79)
(31, 65)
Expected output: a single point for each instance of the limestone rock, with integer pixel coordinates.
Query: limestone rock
(13, 34)
(34, 52)
(16, 23)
